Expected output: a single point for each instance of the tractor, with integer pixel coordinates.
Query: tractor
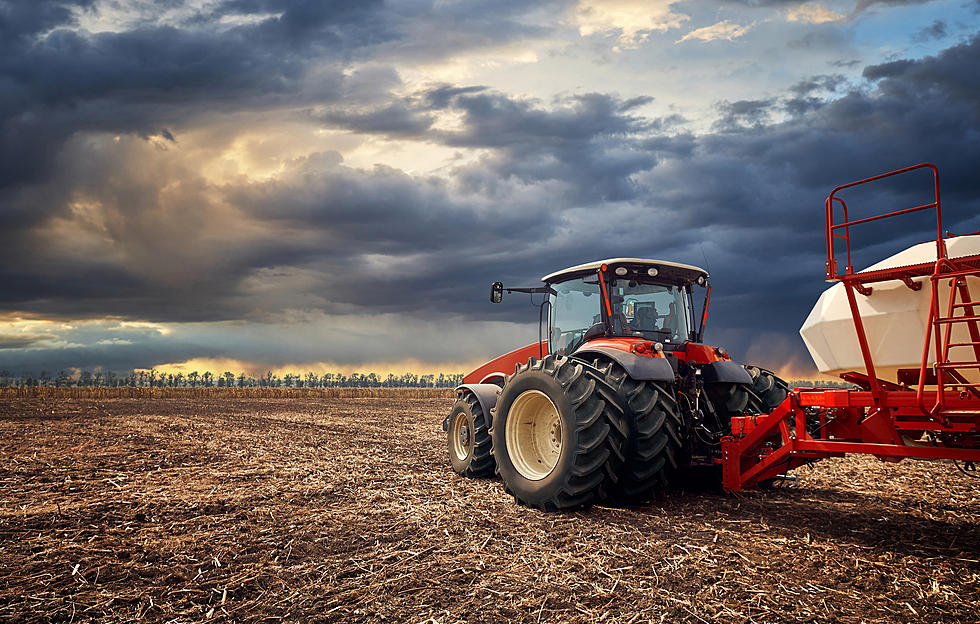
(621, 397)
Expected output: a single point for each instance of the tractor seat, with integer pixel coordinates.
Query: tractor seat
(645, 317)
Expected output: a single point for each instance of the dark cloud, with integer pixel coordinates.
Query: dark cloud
(583, 142)
(397, 119)
(812, 93)
(21, 20)
(815, 84)
(442, 96)
(744, 113)
(864, 5)
(936, 30)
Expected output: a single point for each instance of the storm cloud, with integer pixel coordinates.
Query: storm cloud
(253, 177)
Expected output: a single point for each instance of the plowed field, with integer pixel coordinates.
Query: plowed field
(345, 509)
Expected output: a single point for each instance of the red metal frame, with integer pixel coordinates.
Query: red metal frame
(884, 419)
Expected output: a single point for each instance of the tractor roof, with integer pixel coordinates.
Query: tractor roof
(669, 271)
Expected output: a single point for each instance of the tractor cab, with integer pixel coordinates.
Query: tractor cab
(636, 298)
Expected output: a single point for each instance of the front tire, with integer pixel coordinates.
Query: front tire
(468, 438)
(549, 431)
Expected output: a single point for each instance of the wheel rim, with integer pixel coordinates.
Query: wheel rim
(459, 436)
(533, 435)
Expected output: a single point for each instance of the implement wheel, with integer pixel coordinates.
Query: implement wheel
(549, 431)
(468, 438)
(645, 444)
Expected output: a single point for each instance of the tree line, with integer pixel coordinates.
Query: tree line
(207, 379)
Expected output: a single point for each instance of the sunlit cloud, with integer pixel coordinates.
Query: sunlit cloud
(813, 13)
(631, 20)
(722, 30)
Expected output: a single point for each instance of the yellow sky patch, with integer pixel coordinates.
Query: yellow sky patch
(253, 369)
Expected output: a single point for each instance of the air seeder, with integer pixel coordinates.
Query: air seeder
(623, 396)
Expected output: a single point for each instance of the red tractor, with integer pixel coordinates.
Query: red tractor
(621, 396)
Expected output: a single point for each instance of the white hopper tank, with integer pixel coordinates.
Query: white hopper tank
(895, 318)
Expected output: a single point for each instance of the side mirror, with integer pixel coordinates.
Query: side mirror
(496, 292)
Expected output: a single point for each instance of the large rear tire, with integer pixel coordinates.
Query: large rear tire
(762, 397)
(468, 438)
(770, 389)
(644, 448)
(549, 434)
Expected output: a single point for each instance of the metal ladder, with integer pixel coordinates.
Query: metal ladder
(949, 372)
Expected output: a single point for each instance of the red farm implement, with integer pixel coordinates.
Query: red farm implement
(928, 412)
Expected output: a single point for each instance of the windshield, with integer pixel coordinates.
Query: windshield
(574, 310)
(656, 312)
(652, 311)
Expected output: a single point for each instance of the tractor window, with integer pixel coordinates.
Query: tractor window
(575, 309)
(654, 311)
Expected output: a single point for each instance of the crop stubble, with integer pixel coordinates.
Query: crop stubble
(345, 509)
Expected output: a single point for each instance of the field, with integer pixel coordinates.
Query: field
(218, 508)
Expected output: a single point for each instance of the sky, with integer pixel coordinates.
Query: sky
(251, 185)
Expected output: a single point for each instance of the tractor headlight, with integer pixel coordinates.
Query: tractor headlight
(621, 271)
(701, 280)
(652, 271)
